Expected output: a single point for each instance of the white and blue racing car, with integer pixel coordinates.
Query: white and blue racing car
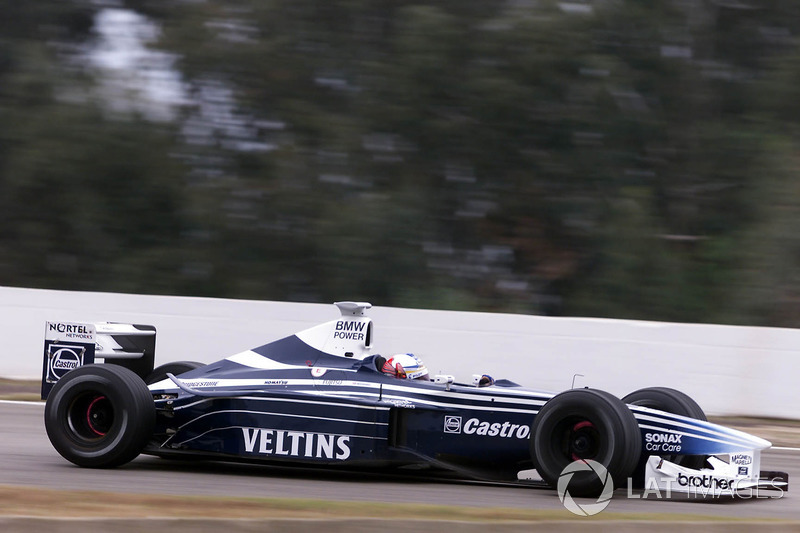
(320, 397)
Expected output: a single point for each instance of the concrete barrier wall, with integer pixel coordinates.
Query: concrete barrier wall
(728, 370)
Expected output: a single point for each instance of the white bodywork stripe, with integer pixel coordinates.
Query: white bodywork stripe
(425, 402)
(253, 360)
(702, 437)
(481, 395)
(250, 427)
(748, 440)
(291, 400)
(245, 411)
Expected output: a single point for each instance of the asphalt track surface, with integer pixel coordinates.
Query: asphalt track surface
(28, 459)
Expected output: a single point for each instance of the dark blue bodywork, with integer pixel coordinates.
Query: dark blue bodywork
(287, 401)
(325, 409)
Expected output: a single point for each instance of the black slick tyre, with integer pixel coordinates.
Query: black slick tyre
(583, 424)
(99, 416)
(675, 402)
(175, 368)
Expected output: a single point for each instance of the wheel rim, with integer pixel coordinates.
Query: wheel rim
(99, 416)
(579, 439)
(90, 416)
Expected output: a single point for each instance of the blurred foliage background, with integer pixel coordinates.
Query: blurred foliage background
(617, 158)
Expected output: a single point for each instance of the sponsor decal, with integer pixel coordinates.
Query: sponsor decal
(63, 358)
(743, 471)
(662, 442)
(276, 382)
(71, 331)
(705, 482)
(317, 372)
(192, 383)
(405, 404)
(706, 486)
(332, 382)
(742, 459)
(348, 330)
(280, 442)
(475, 426)
(452, 424)
(496, 429)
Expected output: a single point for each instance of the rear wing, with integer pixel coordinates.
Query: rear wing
(68, 345)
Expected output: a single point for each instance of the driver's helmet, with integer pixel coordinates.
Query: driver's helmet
(405, 366)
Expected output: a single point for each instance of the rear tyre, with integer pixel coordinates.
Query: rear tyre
(585, 424)
(174, 368)
(99, 416)
(675, 402)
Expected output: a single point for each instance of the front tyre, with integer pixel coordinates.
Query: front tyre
(675, 402)
(665, 399)
(585, 424)
(99, 416)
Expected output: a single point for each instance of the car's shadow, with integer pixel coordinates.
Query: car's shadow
(316, 473)
(377, 476)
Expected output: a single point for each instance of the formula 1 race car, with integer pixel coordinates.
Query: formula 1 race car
(319, 397)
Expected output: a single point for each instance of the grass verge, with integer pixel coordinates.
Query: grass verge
(28, 501)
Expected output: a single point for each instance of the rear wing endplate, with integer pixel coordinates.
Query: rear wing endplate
(68, 345)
